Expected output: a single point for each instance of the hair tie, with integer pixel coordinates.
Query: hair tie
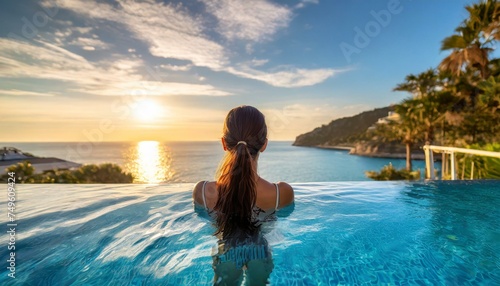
(241, 142)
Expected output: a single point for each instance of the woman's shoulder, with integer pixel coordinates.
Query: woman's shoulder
(286, 194)
(285, 186)
(197, 191)
(269, 198)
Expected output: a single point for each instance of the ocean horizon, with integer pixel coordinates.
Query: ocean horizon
(192, 161)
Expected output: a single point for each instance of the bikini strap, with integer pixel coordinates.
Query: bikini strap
(277, 197)
(203, 195)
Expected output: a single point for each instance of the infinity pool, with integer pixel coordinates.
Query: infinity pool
(356, 233)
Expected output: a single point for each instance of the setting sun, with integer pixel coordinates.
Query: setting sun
(147, 110)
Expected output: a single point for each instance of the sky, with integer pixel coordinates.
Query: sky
(171, 70)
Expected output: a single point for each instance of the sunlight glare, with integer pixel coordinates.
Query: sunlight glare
(147, 110)
(150, 162)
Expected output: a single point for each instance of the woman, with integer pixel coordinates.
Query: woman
(240, 199)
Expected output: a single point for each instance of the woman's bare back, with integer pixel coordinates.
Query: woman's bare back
(266, 194)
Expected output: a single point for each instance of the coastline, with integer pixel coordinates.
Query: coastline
(40, 164)
(352, 151)
(391, 155)
(342, 148)
(10, 156)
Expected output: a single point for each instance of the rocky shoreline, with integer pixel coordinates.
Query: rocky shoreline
(361, 150)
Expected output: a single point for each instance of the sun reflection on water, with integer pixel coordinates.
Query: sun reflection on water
(150, 162)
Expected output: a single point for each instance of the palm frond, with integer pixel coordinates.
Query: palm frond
(453, 42)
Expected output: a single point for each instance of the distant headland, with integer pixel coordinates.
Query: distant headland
(10, 156)
(354, 135)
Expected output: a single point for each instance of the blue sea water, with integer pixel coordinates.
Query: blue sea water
(348, 233)
(187, 162)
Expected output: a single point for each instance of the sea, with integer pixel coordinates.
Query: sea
(189, 162)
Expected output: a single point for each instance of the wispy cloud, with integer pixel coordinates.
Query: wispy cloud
(304, 3)
(16, 92)
(248, 20)
(168, 29)
(85, 43)
(285, 77)
(173, 32)
(257, 63)
(177, 67)
(152, 88)
(113, 77)
(68, 33)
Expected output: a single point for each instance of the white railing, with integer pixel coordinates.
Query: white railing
(449, 159)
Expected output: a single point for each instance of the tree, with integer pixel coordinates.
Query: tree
(473, 73)
(429, 100)
(463, 98)
(407, 127)
(472, 44)
(422, 85)
(420, 113)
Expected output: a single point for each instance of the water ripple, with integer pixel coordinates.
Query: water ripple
(336, 233)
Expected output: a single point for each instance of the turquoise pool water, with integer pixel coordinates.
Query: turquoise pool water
(351, 233)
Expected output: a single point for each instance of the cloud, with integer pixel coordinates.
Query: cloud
(85, 43)
(257, 63)
(304, 3)
(248, 20)
(62, 36)
(171, 32)
(15, 92)
(286, 77)
(177, 67)
(152, 88)
(113, 77)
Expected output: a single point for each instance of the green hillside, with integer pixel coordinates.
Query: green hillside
(345, 130)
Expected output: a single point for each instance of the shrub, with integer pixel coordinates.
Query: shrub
(389, 173)
(23, 170)
(104, 173)
(86, 174)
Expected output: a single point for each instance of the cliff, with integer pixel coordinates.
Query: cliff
(386, 150)
(346, 130)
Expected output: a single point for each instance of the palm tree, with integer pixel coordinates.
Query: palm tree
(486, 15)
(430, 101)
(471, 45)
(421, 85)
(408, 129)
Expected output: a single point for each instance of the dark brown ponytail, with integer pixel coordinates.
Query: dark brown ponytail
(244, 133)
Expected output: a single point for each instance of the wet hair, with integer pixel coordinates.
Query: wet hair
(237, 178)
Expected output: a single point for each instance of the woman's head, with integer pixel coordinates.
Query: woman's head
(244, 136)
(247, 124)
